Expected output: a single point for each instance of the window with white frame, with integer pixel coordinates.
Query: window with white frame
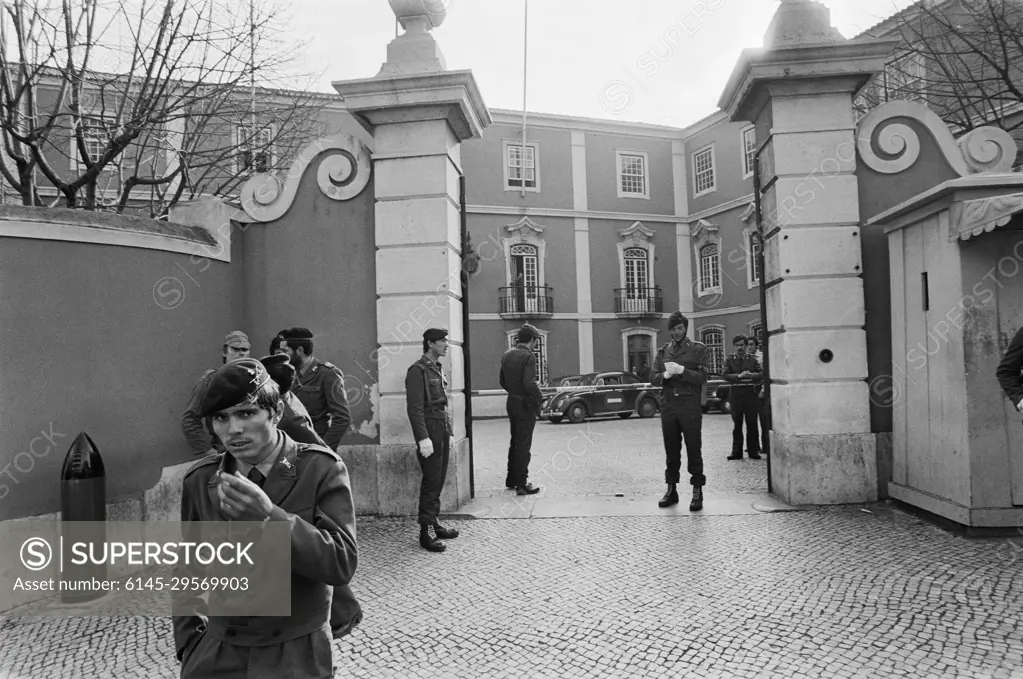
(903, 78)
(710, 268)
(753, 257)
(540, 352)
(255, 149)
(520, 166)
(756, 330)
(96, 133)
(632, 174)
(749, 151)
(714, 338)
(704, 180)
(637, 280)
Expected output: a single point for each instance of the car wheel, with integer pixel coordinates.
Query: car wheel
(725, 406)
(706, 409)
(647, 407)
(555, 419)
(577, 413)
(625, 416)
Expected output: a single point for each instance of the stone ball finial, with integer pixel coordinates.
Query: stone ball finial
(420, 15)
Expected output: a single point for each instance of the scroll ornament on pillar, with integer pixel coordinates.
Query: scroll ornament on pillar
(342, 174)
(889, 146)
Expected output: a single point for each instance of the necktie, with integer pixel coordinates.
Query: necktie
(256, 477)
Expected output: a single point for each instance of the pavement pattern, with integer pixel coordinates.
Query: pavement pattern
(853, 591)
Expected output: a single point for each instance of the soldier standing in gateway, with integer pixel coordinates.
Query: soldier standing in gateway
(518, 378)
(680, 369)
(744, 372)
(265, 476)
(427, 405)
(319, 385)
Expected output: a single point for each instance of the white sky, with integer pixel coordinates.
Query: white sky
(609, 59)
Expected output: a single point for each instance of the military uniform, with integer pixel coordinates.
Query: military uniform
(321, 389)
(742, 396)
(681, 409)
(309, 488)
(427, 406)
(1010, 369)
(518, 378)
(197, 431)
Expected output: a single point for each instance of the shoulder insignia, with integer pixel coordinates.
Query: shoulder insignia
(204, 462)
(331, 366)
(699, 344)
(316, 448)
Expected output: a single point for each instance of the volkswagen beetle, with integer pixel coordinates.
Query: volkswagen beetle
(602, 394)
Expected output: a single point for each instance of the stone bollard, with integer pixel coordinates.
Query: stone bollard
(83, 513)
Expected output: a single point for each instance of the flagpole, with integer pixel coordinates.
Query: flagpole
(525, 59)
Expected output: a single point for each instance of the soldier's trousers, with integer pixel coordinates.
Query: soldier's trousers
(682, 419)
(435, 470)
(523, 421)
(745, 408)
(765, 437)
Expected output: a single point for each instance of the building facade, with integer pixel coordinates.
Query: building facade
(595, 231)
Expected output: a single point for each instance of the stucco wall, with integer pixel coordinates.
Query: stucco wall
(104, 339)
(315, 267)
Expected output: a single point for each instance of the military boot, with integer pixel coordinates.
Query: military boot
(670, 497)
(696, 504)
(430, 542)
(444, 533)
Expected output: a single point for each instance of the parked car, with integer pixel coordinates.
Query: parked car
(600, 394)
(715, 394)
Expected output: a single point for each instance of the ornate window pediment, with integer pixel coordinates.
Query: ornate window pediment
(635, 271)
(525, 241)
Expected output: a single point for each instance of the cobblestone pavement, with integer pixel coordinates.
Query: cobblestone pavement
(839, 592)
(607, 456)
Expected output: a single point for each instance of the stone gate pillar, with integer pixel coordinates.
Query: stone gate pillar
(418, 114)
(798, 91)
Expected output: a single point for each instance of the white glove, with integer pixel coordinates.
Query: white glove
(425, 447)
(672, 368)
(1019, 406)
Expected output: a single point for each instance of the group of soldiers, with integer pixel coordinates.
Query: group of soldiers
(269, 430)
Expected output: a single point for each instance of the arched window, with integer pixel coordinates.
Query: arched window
(714, 338)
(710, 268)
(525, 272)
(637, 279)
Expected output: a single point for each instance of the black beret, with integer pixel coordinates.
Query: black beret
(280, 370)
(434, 334)
(233, 383)
(296, 333)
(677, 318)
(528, 332)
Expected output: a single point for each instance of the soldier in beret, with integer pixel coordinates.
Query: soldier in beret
(295, 421)
(266, 476)
(199, 434)
(320, 386)
(680, 369)
(427, 405)
(518, 378)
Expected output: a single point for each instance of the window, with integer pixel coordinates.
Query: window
(703, 171)
(631, 379)
(714, 338)
(637, 284)
(520, 167)
(97, 132)
(903, 78)
(756, 330)
(632, 174)
(753, 258)
(749, 146)
(710, 268)
(540, 352)
(255, 149)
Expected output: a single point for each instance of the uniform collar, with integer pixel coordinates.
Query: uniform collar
(310, 367)
(280, 477)
(683, 343)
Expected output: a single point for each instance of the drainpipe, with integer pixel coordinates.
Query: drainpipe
(466, 363)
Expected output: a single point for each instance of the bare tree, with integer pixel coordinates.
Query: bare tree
(129, 103)
(963, 58)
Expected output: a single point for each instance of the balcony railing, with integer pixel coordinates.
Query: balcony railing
(638, 302)
(526, 301)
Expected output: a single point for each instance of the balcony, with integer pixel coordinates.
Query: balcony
(638, 302)
(526, 301)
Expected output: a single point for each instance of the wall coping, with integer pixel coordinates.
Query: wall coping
(961, 188)
(104, 228)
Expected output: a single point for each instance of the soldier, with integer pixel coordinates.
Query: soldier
(680, 369)
(745, 374)
(518, 378)
(1010, 371)
(265, 476)
(199, 434)
(295, 420)
(765, 447)
(427, 404)
(320, 387)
